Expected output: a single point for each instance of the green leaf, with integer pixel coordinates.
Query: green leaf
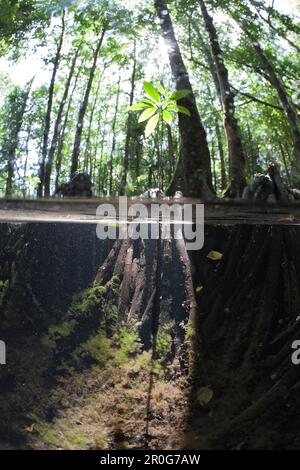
(148, 102)
(179, 109)
(151, 92)
(167, 117)
(161, 89)
(167, 103)
(172, 107)
(184, 110)
(137, 107)
(147, 114)
(178, 95)
(151, 125)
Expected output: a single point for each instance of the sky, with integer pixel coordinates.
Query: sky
(287, 6)
(25, 69)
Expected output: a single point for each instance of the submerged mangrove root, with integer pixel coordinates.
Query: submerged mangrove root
(249, 309)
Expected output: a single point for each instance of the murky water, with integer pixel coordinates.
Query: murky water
(98, 350)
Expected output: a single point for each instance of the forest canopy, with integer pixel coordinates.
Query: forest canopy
(71, 69)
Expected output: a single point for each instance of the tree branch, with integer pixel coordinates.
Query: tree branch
(257, 100)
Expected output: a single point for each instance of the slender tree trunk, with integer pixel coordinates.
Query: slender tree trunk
(87, 149)
(57, 126)
(26, 157)
(283, 154)
(236, 154)
(13, 143)
(88, 140)
(138, 155)
(209, 58)
(193, 173)
(101, 179)
(219, 140)
(222, 157)
(150, 172)
(61, 137)
(83, 108)
(113, 147)
(159, 152)
(10, 171)
(171, 153)
(275, 81)
(213, 158)
(98, 161)
(49, 110)
(252, 157)
(123, 183)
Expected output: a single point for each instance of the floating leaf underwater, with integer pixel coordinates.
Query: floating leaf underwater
(214, 255)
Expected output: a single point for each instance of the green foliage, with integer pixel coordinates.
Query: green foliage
(132, 52)
(160, 104)
(19, 18)
(163, 350)
(49, 437)
(189, 330)
(115, 284)
(58, 332)
(54, 439)
(111, 315)
(92, 298)
(127, 343)
(97, 347)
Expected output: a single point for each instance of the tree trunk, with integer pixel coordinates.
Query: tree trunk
(138, 155)
(150, 171)
(248, 311)
(283, 154)
(171, 153)
(275, 81)
(101, 178)
(63, 132)
(113, 146)
(214, 172)
(57, 126)
(48, 112)
(193, 173)
(221, 154)
(13, 143)
(87, 151)
(236, 154)
(93, 158)
(123, 183)
(159, 152)
(29, 129)
(209, 58)
(83, 108)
